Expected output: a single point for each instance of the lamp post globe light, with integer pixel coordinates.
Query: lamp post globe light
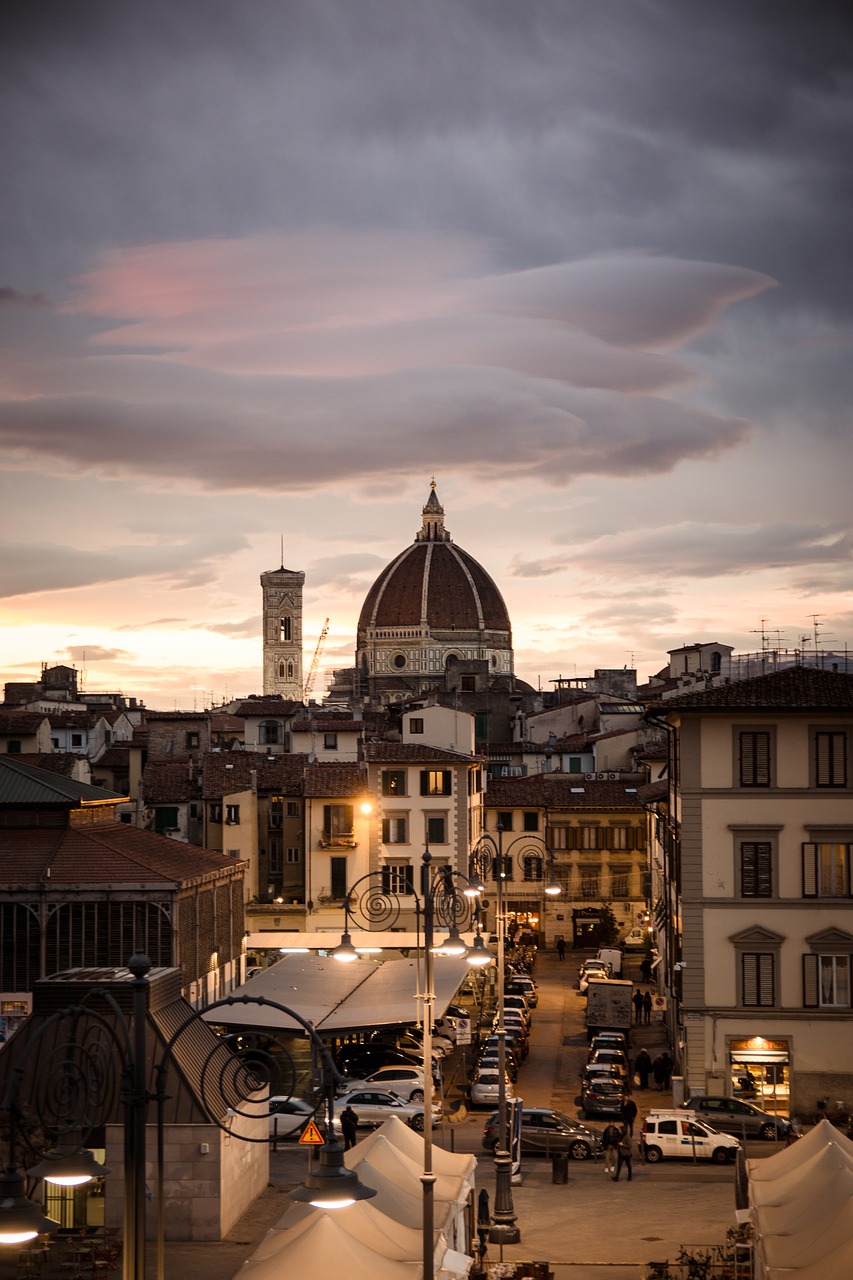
(84, 1062)
(529, 852)
(374, 904)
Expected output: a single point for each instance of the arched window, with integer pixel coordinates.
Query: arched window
(286, 629)
(290, 670)
(715, 662)
(281, 671)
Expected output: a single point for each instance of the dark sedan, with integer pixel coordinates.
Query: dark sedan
(544, 1132)
(743, 1119)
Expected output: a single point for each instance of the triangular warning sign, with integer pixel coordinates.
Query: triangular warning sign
(311, 1136)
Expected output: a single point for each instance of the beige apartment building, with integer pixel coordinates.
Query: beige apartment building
(751, 888)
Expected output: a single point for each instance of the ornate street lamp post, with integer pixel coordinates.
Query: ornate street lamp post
(439, 901)
(92, 1056)
(528, 850)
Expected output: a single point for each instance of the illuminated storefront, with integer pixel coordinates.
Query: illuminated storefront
(759, 1070)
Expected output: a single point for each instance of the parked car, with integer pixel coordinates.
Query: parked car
(490, 1045)
(485, 1089)
(603, 1096)
(289, 1116)
(544, 1132)
(361, 1059)
(409, 1043)
(613, 1057)
(635, 939)
(609, 1040)
(591, 969)
(518, 1003)
(405, 1082)
(601, 1071)
(490, 1062)
(743, 1119)
(374, 1106)
(526, 986)
(681, 1134)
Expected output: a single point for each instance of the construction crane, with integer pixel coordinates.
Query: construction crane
(315, 662)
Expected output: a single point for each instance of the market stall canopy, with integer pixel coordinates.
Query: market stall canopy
(388, 1160)
(325, 1251)
(823, 1135)
(404, 1138)
(337, 997)
(362, 1220)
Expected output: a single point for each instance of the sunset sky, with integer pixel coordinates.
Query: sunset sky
(268, 267)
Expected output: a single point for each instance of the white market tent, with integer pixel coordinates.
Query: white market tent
(384, 1233)
(325, 1250)
(801, 1206)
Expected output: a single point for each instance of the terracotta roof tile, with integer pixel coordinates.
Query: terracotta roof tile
(339, 779)
(414, 753)
(795, 689)
(170, 783)
(21, 721)
(115, 854)
(561, 791)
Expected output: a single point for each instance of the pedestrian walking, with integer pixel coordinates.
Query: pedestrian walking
(629, 1113)
(637, 1001)
(624, 1154)
(610, 1141)
(667, 1069)
(658, 1071)
(349, 1125)
(647, 1007)
(646, 970)
(643, 1067)
(561, 947)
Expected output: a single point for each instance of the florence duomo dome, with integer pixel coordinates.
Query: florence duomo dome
(431, 609)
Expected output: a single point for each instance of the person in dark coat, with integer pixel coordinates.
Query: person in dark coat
(349, 1126)
(629, 1114)
(646, 970)
(667, 1069)
(624, 1154)
(643, 1067)
(561, 948)
(637, 1001)
(610, 1141)
(647, 1007)
(659, 1071)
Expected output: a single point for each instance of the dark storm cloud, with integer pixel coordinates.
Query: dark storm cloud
(10, 297)
(706, 551)
(721, 131)
(322, 431)
(39, 567)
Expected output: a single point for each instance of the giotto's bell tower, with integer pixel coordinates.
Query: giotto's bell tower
(282, 607)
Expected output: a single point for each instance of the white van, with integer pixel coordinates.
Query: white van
(682, 1134)
(613, 957)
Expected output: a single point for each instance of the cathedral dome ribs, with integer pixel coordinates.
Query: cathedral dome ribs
(433, 602)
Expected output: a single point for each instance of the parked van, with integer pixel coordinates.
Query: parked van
(682, 1134)
(613, 957)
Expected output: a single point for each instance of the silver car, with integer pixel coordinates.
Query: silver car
(373, 1107)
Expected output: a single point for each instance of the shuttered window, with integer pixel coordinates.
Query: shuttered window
(826, 870)
(831, 759)
(436, 782)
(756, 869)
(754, 759)
(398, 878)
(758, 970)
(826, 981)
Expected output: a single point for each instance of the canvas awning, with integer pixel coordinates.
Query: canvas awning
(337, 997)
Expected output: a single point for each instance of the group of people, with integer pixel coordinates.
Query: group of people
(642, 1007)
(660, 1071)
